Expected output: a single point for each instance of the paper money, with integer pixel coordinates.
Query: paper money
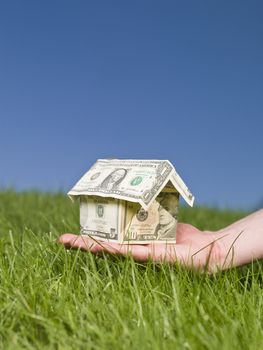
(137, 181)
(130, 201)
(118, 220)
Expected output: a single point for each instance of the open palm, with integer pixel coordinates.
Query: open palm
(193, 248)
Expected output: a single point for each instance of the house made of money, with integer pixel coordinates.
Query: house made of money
(130, 201)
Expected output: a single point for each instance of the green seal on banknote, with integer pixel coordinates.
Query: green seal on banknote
(136, 181)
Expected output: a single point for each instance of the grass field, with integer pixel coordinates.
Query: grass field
(51, 298)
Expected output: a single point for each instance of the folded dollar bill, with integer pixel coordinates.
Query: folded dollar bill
(130, 201)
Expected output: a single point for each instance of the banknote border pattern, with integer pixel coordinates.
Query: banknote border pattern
(163, 171)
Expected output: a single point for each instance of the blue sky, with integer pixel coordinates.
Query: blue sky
(177, 80)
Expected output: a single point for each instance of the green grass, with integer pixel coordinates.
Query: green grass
(51, 298)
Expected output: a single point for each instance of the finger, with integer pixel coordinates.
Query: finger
(169, 253)
(160, 252)
(185, 231)
(70, 240)
(139, 252)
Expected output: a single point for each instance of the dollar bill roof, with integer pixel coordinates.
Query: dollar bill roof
(132, 180)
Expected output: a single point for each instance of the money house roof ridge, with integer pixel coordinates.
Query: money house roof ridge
(164, 172)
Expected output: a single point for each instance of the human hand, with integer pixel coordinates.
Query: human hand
(194, 248)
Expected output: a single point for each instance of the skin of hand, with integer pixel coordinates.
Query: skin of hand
(234, 245)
